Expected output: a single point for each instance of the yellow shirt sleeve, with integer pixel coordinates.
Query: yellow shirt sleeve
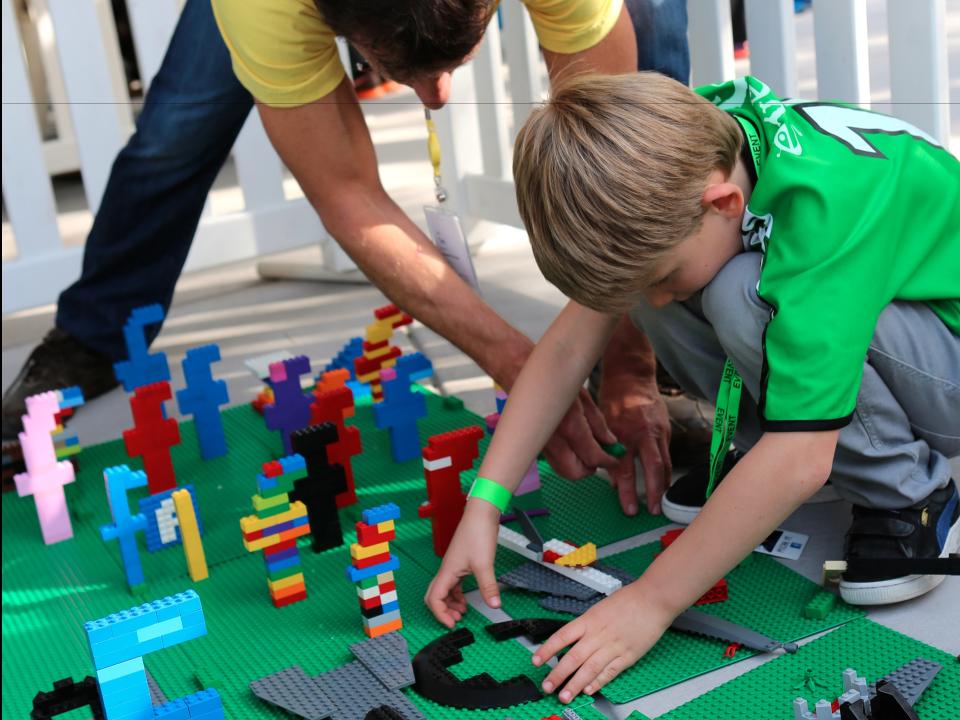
(282, 50)
(571, 26)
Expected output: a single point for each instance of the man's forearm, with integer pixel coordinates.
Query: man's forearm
(398, 258)
(774, 478)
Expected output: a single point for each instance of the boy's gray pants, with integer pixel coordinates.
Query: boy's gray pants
(895, 451)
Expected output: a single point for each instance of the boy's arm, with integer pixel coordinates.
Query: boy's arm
(775, 477)
(547, 384)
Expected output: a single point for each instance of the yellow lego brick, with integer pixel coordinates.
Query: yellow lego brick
(581, 557)
(369, 377)
(277, 585)
(359, 552)
(190, 534)
(389, 363)
(262, 503)
(385, 527)
(251, 523)
(271, 540)
(379, 331)
(379, 352)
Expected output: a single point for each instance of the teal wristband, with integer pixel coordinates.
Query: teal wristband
(494, 493)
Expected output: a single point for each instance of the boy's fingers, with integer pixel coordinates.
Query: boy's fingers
(487, 584)
(613, 668)
(566, 635)
(586, 674)
(436, 599)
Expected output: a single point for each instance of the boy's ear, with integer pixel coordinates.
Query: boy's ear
(725, 198)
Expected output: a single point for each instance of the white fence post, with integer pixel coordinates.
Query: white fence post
(843, 64)
(773, 43)
(919, 82)
(152, 23)
(83, 61)
(710, 34)
(523, 58)
(492, 105)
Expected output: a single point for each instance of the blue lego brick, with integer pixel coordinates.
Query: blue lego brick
(381, 513)
(274, 565)
(284, 554)
(141, 367)
(202, 398)
(205, 705)
(358, 574)
(293, 463)
(381, 619)
(70, 397)
(390, 607)
(145, 628)
(359, 389)
(149, 507)
(351, 350)
(173, 710)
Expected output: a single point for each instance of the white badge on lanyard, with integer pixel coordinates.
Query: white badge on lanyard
(444, 226)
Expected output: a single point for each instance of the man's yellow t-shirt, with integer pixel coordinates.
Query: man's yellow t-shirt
(284, 53)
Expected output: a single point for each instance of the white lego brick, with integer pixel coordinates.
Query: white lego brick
(438, 464)
(512, 540)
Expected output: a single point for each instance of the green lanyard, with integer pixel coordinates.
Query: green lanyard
(724, 421)
(728, 397)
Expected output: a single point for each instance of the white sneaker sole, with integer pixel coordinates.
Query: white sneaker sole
(684, 514)
(885, 592)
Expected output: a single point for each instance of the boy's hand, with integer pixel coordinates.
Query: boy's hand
(471, 551)
(638, 416)
(607, 639)
(574, 448)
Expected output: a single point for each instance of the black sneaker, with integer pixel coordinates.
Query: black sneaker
(684, 499)
(57, 362)
(929, 529)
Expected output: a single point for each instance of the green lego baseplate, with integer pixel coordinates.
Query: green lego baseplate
(48, 592)
(871, 649)
(763, 595)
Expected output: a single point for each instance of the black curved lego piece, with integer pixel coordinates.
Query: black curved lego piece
(480, 692)
(536, 629)
(68, 695)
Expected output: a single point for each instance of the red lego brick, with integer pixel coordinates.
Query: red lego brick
(290, 599)
(279, 547)
(445, 496)
(335, 406)
(718, 593)
(387, 586)
(152, 435)
(370, 603)
(668, 537)
(550, 556)
(371, 346)
(368, 535)
(361, 563)
(272, 468)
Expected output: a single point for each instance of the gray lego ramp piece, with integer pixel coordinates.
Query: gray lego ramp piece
(621, 575)
(354, 692)
(388, 658)
(912, 679)
(536, 578)
(156, 694)
(294, 691)
(569, 605)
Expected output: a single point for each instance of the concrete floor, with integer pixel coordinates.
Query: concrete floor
(247, 316)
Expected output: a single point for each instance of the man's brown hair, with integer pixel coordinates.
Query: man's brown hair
(411, 37)
(610, 173)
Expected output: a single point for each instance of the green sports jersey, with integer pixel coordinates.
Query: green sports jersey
(852, 209)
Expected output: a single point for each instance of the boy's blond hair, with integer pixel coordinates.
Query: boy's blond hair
(609, 175)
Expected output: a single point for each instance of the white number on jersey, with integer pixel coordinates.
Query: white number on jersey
(851, 125)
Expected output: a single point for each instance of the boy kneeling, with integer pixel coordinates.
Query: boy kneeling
(811, 250)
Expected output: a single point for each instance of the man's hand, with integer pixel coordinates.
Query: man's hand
(638, 416)
(607, 639)
(636, 413)
(574, 448)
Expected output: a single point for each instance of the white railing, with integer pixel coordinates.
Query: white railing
(477, 174)
(75, 40)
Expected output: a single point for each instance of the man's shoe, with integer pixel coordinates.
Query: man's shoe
(684, 500)
(57, 362)
(929, 529)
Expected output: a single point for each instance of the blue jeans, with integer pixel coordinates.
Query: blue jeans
(661, 30)
(159, 182)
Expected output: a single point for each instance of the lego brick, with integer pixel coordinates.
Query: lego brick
(192, 545)
(141, 367)
(153, 434)
(354, 691)
(294, 691)
(290, 410)
(913, 678)
(381, 514)
(356, 574)
(324, 482)
(388, 658)
(371, 535)
(162, 526)
(358, 551)
(820, 605)
(583, 556)
(202, 398)
(385, 628)
(536, 578)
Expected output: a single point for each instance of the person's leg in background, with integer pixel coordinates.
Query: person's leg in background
(661, 30)
(145, 225)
